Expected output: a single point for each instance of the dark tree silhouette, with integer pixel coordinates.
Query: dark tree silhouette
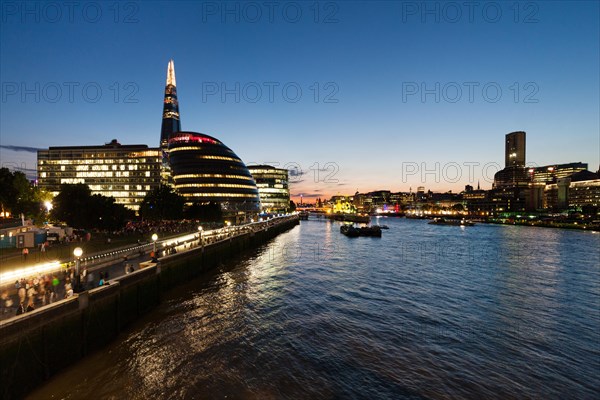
(76, 206)
(162, 203)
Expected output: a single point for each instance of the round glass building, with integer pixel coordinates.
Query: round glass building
(205, 170)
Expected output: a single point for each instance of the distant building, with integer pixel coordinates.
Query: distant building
(125, 172)
(514, 153)
(575, 191)
(477, 200)
(205, 170)
(273, 189)
(511, 189)
(584, 193)
(551, 173)
(421, 194)
(511, 177)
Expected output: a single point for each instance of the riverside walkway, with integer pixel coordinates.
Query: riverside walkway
(42, 284)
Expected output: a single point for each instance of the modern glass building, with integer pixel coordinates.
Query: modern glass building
(205, 170)
(125, 172)
(272, 184)
(171, 121)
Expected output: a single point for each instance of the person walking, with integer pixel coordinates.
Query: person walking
(30, 305)
(25, 253)
(6, 302)
(21, 309)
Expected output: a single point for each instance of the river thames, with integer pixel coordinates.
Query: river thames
(425, 311)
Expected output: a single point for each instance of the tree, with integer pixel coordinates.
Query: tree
(210, 212)
(18, 195)
(7, 190)
(458, 207)
(76, 206)
(106, 214)
(162, 203)
(292, 206)
(72, 205)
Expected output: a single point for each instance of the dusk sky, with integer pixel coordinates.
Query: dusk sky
(361, 117)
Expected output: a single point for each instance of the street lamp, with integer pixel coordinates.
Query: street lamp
(77, 252)
(154, 239)
(200, 235)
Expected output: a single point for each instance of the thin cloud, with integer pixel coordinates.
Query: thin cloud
(307, 196)
(21, 148)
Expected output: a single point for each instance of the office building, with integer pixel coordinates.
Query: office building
(514, 153)
(125, 172)
(273, 189)
(551, 173)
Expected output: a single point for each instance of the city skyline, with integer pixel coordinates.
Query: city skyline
(386, 98)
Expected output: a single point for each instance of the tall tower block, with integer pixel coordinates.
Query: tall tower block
(514, 154)
(170, 121)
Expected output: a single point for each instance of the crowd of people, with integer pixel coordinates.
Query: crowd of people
(33, 292)
(42, 289)
(30, 293)
(146, 228)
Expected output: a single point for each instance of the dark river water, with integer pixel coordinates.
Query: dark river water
(424, 312)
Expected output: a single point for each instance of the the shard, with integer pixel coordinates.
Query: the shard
(170, 120)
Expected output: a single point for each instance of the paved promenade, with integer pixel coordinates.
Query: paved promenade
(35, 286)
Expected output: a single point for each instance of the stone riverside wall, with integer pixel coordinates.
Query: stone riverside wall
(38, 344)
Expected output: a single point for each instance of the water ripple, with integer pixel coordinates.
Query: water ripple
(424, 312)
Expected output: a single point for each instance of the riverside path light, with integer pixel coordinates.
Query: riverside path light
(154, 239)
(77, 252)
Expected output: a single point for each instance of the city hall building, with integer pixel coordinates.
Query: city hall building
(125, 172)
(204, 170)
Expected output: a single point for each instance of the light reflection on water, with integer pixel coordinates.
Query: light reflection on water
(424, 312)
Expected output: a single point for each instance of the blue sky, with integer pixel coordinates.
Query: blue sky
(380, 106)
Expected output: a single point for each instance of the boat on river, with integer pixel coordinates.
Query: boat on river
(352, 231)
(358, 218)
(374, 230)
(453, 222)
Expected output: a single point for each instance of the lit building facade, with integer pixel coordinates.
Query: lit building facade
(205, 170)
(125, 172)
(551, 173)
(273, 189)
(584, 193)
